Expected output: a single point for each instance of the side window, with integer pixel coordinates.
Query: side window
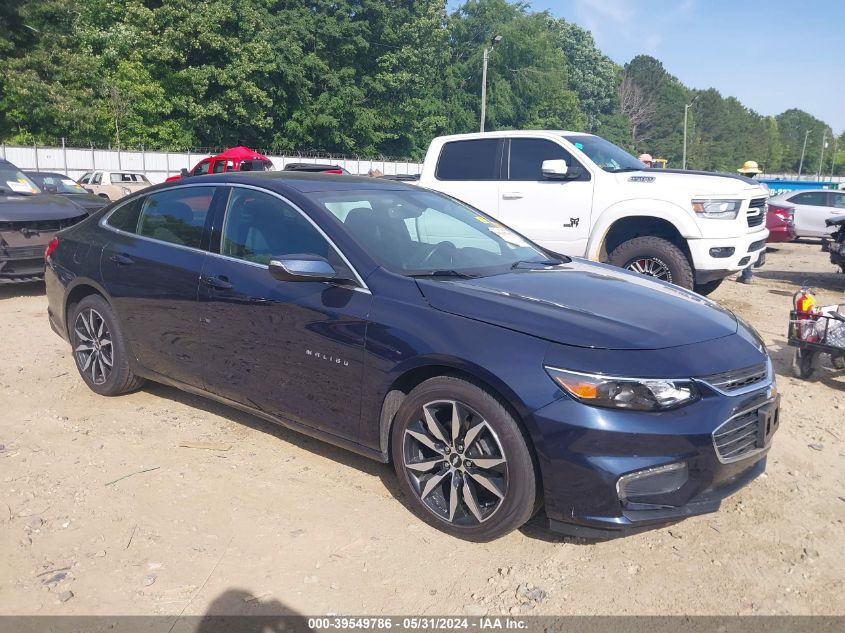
(469, 160)
(97, 178)
(85, 178)
(837, 200)
(219, 167)
(176, 215)
(125, 217)
(527, 156)
(202, 168)
(259, 226)
(813, 198)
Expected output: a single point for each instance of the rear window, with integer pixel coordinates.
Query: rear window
(469, 160)
(122, 177)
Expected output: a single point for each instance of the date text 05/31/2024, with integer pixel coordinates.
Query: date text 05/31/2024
(421, 623)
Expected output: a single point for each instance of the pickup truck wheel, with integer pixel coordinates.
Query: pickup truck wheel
(655, 257)
(706, 288)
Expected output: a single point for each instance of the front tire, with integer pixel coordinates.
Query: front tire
(99, 349)
(654, 257)
(803, 363)
(462, 460)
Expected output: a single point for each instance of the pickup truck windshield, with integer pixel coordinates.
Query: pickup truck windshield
(605, 154)
(421, 233)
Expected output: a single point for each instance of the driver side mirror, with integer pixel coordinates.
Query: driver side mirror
(555, 169)
(184, 172)
(301, 268)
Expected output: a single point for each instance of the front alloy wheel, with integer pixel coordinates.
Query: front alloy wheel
(462, 459)
(455, 463)
(651, 266)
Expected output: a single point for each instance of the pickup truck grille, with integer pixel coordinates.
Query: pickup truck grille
(756, 213)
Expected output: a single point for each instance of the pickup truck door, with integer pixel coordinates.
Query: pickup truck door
(469, 170)
(555, 213)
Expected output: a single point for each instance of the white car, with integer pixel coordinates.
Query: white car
(580, 195)
(113, 185)
(809, 209)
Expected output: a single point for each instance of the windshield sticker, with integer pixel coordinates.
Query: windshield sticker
(69, 182)
(482, 219)
(509, 236)
(579, 145)
(19, 187)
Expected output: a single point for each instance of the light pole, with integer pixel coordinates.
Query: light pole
(833, 156)
(821, 155)
(803, 149)
(686, 114)
(495, 40)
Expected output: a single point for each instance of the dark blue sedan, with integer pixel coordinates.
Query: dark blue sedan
(408, 327)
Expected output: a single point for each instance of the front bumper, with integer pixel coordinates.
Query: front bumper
(585, 451)
(746, 250)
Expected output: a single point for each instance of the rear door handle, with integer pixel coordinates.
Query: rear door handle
(122, 260)
(221, 283)
(512, 195)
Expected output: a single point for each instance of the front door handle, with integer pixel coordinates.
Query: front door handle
(512, 195)
(122, 260)
(221, 283)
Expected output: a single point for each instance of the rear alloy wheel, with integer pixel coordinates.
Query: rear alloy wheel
(99, 350)
(654, 257)
(463, 461)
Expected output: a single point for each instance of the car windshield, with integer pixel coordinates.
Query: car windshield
(422, 233)
(605, 154)
(62, 184)
(13, 181)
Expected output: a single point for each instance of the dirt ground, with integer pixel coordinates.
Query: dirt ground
(280, 522)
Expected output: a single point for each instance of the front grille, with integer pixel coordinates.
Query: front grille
(22, 252)
(41, 226)
(737, 379)
(756, 213)
(756, 246)
(746, 433)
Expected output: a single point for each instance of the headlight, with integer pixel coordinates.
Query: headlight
(641, 394)
(718, 209)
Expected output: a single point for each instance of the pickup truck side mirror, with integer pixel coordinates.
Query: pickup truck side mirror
(555, 169)
(184, 173)
(302, 268)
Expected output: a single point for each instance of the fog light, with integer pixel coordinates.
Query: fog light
(744, 261)
(722, 251)
(652, 481)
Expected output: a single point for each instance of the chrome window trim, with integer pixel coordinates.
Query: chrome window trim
(105, 225)
(756, 451)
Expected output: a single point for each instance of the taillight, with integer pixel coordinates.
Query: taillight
(333, 171)
(51, 247)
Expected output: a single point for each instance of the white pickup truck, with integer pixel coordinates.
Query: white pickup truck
(578, 194)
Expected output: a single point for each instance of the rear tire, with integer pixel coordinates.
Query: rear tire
(463, 461)
(706, 288)
(803, 363)
(99, 349)
(654, 257)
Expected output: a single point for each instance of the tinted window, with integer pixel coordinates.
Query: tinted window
(176, 216)
(837, 200)
(259, 226)
(814, 198)
(221, 165)
(202, 168)
(123, 177)
(125, 217)
(527, 156)
(85, 178)
(469, 160)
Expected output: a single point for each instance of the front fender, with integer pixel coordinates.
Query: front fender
(672, 213)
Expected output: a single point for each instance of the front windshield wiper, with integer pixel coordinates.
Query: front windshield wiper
(624, 169)
(442, 273)
(533, 263)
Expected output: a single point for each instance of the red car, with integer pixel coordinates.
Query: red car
(233, 159)
(780, 223)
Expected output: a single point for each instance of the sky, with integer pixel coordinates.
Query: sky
(772, 55)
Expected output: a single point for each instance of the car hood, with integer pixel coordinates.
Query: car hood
(584, 304)
(87, 201)
(651, 182)
(37, 207)
(836, 220)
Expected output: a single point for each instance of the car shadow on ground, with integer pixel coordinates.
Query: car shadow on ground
(831, 280)
(13, 291)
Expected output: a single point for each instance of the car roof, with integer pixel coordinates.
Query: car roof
(302, 182)
(794, 191)
(33, 172)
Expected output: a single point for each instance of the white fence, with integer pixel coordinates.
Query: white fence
(157, 166)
